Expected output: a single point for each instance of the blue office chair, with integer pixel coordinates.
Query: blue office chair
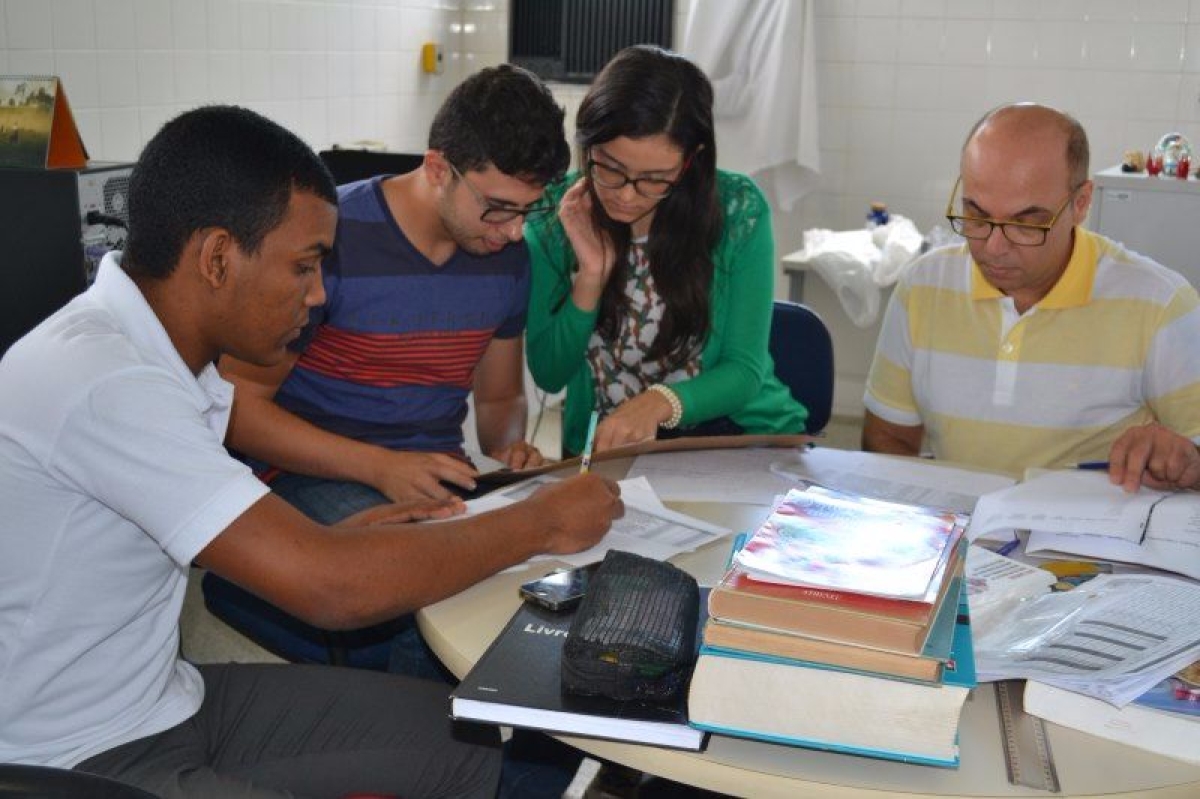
(802, 350)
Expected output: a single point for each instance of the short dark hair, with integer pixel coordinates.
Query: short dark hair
(504, 116)
(215, 166)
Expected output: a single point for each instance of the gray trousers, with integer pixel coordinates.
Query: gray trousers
(283, 730)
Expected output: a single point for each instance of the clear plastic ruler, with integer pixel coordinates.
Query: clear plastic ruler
(1026, 749)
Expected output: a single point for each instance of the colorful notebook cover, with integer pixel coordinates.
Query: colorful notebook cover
(829, 540)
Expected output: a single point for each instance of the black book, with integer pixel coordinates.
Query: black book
(516, 683)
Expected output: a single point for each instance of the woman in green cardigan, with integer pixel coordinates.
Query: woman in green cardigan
(652, 289)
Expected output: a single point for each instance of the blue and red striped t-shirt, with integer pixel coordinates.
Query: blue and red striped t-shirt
(391, 356)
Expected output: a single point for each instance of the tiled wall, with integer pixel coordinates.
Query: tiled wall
(899, 83)
(332, 70)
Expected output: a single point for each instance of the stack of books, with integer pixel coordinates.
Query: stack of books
(841, 624)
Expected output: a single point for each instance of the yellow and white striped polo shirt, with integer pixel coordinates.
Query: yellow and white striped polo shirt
(1114, 344)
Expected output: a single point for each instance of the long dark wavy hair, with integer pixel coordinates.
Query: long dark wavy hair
(645, 91)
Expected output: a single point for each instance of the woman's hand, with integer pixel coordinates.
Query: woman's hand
(594, 252)
(634, 420)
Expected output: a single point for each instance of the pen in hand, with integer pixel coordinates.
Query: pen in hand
(1093, 466)
(585, 462)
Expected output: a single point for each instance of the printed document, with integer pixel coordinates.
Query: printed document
(647, 528)
(1114, 637)
(914, 481)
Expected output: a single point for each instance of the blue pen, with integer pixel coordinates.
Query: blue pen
(586, 462)
(1093, 466)
(1009, 547)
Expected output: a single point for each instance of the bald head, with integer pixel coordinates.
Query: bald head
(1035, 125)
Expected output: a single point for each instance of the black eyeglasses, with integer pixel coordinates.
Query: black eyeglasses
(1023, 234)
(494, 214)
(610, 177)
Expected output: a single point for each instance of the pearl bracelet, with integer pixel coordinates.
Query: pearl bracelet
(676, 406)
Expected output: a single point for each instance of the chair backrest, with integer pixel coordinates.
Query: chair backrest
(348, 166)
(802, 350)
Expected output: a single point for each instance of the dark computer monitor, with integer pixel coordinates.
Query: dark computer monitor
(348, 166)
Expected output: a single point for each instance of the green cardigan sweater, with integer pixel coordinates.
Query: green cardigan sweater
(737, 378)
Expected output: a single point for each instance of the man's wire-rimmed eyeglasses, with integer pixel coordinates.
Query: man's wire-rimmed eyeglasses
(493, 213)
(1023, 234)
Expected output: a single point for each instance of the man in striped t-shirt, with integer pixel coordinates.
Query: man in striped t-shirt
(426, 292)
(1036, 342)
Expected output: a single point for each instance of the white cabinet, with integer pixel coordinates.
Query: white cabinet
(1155, 216)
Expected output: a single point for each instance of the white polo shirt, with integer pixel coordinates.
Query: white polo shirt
(113, 479)
(1115, 343)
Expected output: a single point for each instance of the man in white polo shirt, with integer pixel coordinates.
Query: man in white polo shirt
(115, 480)
(1038, 343)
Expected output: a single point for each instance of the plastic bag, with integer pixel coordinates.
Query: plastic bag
(856, 263)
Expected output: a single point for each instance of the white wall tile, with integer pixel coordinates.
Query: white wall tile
(285, 76)
(120, 134)
(284, 23)
(255, 74)
(118, 80)
(363, 19)
(224, 30)
(341, 74)
(30, 25)
(1109, 45)
(1162, 10)
(965, 41)
(191, 77)
(31, 62)
(1159, 47)
(1063, 10)
(87, 122)
(340, 27)
(921, 41)
(254, 25)
(78, 71)
(1191, 49)
(224, 76)
(74, 24)
(1060, 44)
(876, 40)
(1011, 45)
(312, 34)
(189, 24)
(1025, 10)
(156, 78)
(1111, 11)
(934, 9)
(152, 22)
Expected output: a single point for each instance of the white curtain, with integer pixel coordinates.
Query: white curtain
(759, 56)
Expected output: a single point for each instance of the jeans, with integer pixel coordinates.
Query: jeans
(330, 501)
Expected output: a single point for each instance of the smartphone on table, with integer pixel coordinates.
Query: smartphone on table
(559, 590)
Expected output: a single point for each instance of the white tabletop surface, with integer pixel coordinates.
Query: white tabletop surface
(460, 628)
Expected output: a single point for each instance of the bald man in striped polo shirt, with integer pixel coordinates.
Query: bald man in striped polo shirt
(1036, 342)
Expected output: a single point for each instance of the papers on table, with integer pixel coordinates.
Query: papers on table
(996, 585)
(1113, 637)
(757, 476)
(647, 528)
(1080, 513)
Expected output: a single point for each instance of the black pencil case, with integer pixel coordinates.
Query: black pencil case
(634, 634)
